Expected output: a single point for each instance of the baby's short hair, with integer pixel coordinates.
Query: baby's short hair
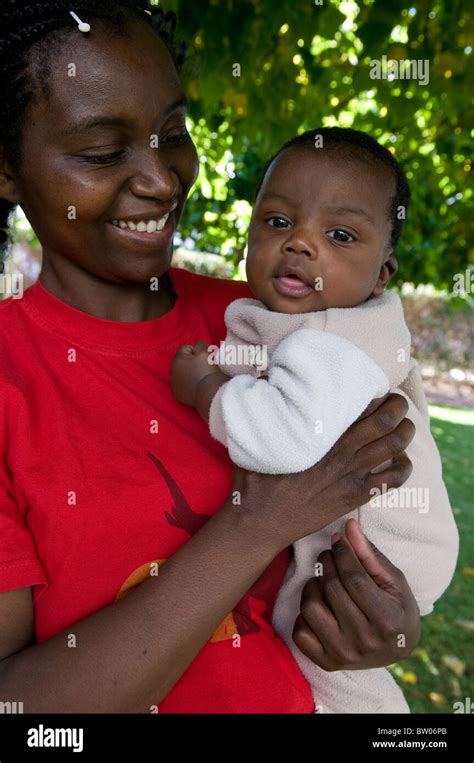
(357, 144)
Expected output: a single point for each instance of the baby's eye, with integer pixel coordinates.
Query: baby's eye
(341, 235)
(278, 222)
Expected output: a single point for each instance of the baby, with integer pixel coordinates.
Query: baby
(321, 339)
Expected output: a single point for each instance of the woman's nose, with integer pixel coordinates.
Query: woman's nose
(156, 178)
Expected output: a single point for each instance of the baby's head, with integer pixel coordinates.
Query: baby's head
(328, 215)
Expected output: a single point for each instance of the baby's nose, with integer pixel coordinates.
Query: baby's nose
(301, 245)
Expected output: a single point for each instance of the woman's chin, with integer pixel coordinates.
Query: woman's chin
(143, 271)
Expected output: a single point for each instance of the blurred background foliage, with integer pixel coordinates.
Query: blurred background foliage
(304, 65)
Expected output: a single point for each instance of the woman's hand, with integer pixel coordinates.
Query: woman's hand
(284, 508)
(359, 612)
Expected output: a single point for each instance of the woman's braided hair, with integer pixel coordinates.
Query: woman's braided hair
(30, 32)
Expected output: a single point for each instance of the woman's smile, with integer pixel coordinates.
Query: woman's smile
(145, 230)
(142, 235)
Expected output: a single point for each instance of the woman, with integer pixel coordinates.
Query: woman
(135, 571)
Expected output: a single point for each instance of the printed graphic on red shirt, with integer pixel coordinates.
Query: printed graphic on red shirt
(258, 603)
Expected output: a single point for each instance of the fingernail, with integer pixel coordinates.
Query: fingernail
(359, 528)
(335, 538)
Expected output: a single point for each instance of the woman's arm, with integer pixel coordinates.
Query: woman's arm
(130, 654)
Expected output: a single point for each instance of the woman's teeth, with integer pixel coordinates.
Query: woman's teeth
(143, 227)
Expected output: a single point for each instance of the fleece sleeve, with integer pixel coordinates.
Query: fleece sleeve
(318, 384)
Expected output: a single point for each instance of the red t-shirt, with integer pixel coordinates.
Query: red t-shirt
(103, 473)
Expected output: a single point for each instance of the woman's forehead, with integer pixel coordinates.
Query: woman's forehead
(118, 73)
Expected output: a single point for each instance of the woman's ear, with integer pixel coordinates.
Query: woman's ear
(388, 269)
(8, 186)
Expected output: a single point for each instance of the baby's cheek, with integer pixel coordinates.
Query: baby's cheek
(259, 275)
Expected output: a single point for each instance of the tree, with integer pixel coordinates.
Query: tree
(261, 71)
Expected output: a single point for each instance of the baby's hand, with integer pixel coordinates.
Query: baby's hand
(190, 365)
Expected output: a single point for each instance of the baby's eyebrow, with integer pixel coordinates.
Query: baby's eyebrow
(350, 210)
(91, 123)
(276, 195)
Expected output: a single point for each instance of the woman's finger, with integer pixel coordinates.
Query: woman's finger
(318, 615)
(393, 476)
(392, 444)
(362, 589)
(379, 567)
(378, 424)
(309, 644)
(345, 609)
(357, 488)
(372, 406)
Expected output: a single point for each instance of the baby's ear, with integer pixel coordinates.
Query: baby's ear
(8, 187)
(388, 269)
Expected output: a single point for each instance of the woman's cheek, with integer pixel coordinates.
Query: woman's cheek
(189, 169)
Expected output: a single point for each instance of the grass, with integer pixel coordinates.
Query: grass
(431, 679)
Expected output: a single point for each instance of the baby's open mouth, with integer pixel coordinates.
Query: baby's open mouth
(292, 284)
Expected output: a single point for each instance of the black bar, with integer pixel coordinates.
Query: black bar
(223, 738)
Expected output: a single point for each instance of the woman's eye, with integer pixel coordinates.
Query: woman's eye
(102, 159)
(341, 235)
(278, 222)
(176, 139)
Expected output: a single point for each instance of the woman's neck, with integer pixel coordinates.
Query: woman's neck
(126, 303)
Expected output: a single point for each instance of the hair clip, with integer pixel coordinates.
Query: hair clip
(83, 27)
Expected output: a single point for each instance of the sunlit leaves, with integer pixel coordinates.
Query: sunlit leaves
(303, 65)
